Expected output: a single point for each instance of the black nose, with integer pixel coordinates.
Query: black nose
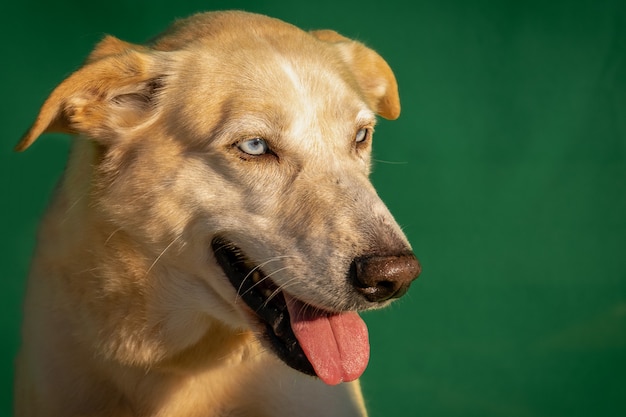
(381, 278)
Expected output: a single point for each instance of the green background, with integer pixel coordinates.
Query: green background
(507, 170)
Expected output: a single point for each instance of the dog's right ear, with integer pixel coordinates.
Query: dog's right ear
(115, 89)
(372, 73)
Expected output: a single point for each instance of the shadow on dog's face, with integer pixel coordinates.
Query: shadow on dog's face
(239, 155)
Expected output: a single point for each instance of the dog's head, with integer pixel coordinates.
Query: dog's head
(234, 151)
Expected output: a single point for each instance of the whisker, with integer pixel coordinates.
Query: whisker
(390, 162)
(161, 254)
(316, 310)
(111, 235)
(255, 269)
(279, 290)
(69, 209)
(264, 278)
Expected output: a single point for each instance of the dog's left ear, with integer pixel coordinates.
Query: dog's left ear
(372, 73)
(115, 89)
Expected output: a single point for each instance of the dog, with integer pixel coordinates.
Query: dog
(215, 232)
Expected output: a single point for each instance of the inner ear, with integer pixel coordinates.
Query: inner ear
(143, 97)
(127, 109)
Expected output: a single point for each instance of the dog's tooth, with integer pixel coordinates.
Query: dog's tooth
(267, 293)
(256, 276)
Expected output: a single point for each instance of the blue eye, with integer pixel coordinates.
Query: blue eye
(361, 135)
(254, 146)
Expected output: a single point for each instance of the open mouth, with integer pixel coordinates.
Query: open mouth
(331, 346)
(266, 300)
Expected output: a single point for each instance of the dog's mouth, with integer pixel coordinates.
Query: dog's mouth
(332, 346)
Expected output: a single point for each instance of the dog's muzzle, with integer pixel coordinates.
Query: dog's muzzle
(331, 345)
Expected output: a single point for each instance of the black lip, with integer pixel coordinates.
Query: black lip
(271, 310)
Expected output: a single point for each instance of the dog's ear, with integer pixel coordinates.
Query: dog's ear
(372, 73)
(115, 89)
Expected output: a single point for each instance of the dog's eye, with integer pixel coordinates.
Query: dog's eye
(254, 146)
(362, 135)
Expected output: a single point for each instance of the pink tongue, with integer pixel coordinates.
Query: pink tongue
(336, 344)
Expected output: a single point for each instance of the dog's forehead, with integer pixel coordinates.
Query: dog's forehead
(302, 97)
(298, 65)
(297, 84)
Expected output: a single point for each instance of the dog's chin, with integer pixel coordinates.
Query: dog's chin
(265, 300)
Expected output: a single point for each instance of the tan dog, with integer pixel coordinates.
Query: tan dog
(215, 231)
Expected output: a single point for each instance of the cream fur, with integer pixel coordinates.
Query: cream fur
(127, 313)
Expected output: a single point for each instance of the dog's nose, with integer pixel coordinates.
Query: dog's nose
(381, 278)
